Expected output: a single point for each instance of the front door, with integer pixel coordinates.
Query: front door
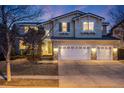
(47, 48)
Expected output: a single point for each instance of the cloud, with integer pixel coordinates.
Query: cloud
(80, 7)
(105, 12)
(52, 11)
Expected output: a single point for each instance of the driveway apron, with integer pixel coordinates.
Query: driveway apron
(78, 74)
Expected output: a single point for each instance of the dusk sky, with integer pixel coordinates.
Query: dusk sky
(56, 10)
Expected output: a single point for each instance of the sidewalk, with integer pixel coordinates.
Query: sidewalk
(35, 77)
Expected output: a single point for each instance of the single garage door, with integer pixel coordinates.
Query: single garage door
(75, 52)
(104, 53)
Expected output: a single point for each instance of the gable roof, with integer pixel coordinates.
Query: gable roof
(79, 14)
(117, 25)
(64, 15)
(89, 14)
(70, 13)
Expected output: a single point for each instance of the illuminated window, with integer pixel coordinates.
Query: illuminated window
(88, 26)
(91, 26)
(85, 26)
(64, 27)
(21, 45)
(26, 28)
(34, 27)
(47, 48)
(47, 33)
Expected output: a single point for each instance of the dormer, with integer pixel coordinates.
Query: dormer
(88, 26)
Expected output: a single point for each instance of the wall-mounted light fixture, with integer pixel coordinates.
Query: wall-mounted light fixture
(115, 49)
(93, 49)
(56, 49)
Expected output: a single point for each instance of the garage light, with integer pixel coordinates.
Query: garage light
(56, 49)
(94, 49)
(115, 49)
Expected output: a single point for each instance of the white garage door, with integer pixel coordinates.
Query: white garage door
(104, 53)
(75, 52)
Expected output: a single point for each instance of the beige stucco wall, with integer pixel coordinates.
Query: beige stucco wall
(93, 43)
(115, 43)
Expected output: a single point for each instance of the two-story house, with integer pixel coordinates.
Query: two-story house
(118, 30)
(78, 36)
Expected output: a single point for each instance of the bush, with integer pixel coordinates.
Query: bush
(2, 58)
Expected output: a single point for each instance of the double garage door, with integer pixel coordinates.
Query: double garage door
(78, 52)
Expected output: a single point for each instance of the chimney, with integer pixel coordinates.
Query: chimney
(104, 30)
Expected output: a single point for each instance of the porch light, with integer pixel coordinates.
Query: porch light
(115, 49)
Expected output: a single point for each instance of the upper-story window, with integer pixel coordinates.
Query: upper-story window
(88, 26)
(21, 44)
(26, 28)
(47, 33)
(64, 27)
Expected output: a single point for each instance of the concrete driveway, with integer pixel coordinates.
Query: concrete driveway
(91, 74)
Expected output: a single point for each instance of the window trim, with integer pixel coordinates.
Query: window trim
(64, 27)
(67, 27)
(88, 22)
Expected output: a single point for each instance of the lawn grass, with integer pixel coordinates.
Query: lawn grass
(27, 68)
(30, 83)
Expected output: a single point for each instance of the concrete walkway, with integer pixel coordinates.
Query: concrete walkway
(91, 74)
(35, 77)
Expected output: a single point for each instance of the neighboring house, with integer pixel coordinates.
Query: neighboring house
(118, 32)
(77, 36)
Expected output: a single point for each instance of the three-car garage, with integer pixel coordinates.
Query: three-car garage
(85, 52)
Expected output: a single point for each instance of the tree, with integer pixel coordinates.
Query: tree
(8, 16)
(34, 38)
(117, 14)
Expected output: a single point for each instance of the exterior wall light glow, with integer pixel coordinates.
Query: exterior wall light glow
(55, 49)
(93, 49)
(115, 49)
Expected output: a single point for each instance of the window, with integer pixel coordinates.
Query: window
(88, 26)
(85, 26)
(34, 27)
(64, 27)
(21, 44)
(47, 48)
(47, 33)
(91, 26)
(26, 28)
